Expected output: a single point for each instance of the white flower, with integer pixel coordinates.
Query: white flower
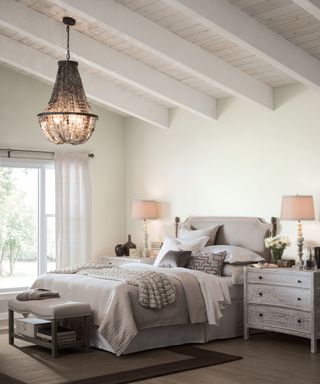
(277, 242)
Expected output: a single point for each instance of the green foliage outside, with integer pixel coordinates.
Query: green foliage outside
(18, 221)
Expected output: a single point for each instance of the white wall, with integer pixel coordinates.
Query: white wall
(21, 98)
(239, 165)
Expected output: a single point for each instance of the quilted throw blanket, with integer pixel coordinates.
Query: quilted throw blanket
(155, 289)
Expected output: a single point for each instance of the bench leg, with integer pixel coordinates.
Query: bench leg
(86, 335)
(11, 325)
(54, 338)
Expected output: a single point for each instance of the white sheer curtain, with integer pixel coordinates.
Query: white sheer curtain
(73, 209)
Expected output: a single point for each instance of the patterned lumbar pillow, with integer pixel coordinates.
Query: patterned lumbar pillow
(208, 262)
(173, 259)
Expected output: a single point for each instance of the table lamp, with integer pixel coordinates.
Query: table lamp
(298, 207)
(144, 210)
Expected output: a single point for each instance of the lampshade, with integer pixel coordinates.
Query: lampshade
(297, 208)
(68, 117)
(144, 209)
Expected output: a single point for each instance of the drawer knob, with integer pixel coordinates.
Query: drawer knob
(299, 321)
(261, 314)
(260, 277)
(299, 281)
(260, 293)
(299, 298)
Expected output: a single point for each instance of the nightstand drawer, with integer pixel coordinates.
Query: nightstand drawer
(284, 319)
(282, 296)
(296, 279)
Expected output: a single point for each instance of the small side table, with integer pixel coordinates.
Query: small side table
(120, 260)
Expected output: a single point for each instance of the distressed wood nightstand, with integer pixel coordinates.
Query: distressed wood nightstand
(283, 300)
(120, 260)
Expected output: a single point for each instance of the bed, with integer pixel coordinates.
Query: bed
(171, 325)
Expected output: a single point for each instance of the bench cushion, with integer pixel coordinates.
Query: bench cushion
(51, 308)
(18, 306)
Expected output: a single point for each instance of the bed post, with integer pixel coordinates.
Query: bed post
(274, 226)
(176, 223)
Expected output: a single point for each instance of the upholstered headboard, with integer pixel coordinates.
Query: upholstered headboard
(247, 232)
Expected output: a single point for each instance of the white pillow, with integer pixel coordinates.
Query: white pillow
(173, 244)
(236, 255)
(188, 234)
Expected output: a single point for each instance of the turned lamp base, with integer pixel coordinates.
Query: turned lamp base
(300, 240)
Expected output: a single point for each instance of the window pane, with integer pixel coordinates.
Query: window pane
(18, 226)
(51, 250)
(50, 191)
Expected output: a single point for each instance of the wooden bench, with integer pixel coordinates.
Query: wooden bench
(54, 310)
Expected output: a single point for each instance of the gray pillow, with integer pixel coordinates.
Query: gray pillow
(174, 259)
(207, 262)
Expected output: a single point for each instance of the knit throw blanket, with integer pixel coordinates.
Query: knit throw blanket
(155, 289)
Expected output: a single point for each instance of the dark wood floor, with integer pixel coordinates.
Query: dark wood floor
(267, 359)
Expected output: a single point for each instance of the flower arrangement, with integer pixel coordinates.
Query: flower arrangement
(277, 244)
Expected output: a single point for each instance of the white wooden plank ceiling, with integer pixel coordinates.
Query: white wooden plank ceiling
(161, 54)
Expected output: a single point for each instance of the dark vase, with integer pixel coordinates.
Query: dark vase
(119, 250)
(128, 245)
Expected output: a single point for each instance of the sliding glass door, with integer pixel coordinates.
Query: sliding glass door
(27, 221)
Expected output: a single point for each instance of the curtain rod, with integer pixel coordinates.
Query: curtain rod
(9, 150)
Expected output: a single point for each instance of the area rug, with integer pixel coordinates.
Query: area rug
(31, 364)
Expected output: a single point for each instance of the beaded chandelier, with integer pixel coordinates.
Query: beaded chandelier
(68, 117)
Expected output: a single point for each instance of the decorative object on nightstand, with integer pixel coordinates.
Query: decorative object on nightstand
(133, 252)
(119, 250)
(286, 263)
(310, 263)
(317, 256)
(298, 207)
(155, 248)
(277, 244)
(144, 210)
(128, 245)
(283, 300)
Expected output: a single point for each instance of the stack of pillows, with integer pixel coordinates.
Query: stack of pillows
(195, 249)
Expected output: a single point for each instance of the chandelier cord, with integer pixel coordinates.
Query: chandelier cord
(68, 43)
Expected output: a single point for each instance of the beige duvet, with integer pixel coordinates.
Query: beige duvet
(116, 309)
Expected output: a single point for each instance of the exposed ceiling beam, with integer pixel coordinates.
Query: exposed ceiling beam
(174, 49)
(45, 67)
(44, 30)
(311, 6)
(247, 32)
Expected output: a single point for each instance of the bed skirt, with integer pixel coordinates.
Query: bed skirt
(231, 325)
